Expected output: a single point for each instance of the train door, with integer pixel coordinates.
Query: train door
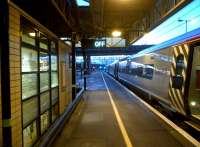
(178, 75)
(194, 83)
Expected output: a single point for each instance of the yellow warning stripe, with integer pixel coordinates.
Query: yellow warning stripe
(119, 120)
(186, 49)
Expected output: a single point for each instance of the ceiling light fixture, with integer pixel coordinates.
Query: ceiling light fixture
(116, 33)
(32, 34)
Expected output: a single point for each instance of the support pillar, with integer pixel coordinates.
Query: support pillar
(5, 74)
(84, 70)
(73, 66)
(88, 64)
(84, 44)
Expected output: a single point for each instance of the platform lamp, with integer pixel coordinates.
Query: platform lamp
(186, 23)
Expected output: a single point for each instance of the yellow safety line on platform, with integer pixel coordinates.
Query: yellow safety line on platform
(119, 120)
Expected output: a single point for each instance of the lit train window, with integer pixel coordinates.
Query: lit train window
(139, 71)
(148, 71)
(134, 71)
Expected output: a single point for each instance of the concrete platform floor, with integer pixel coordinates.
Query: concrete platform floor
(94, 123)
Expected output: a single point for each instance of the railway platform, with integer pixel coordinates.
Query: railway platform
(110, 116)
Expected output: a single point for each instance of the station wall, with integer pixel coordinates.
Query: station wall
(65, 88)
(0, 115)
(15, 77)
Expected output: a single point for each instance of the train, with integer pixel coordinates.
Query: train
(168, 73)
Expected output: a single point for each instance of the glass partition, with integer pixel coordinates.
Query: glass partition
(44, 81)
(44, 61)
(29, 85)
(28, 36)
(29, 60)
(54, 65)
(30, 110)
(54, 79)
(39, 74)
(43, 42)
(44, 121)
(54, 95)
(44, 102)
(55, 112)
(30, 134)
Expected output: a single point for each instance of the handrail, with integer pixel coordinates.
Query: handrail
(57, 127)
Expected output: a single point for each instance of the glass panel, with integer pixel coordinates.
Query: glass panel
(55, 112)
(53, 47)
(29, 85)
(30, 134)
(194, 91)
(28, 35)
(29, 60)
(44, 81)
(44, 61)
(43, 42)
(54, 79)
(30, 110)
(44, 120)
(53, 62)
(54, 95)
(44, 101)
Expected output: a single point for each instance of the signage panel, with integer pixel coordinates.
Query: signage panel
(99, 43)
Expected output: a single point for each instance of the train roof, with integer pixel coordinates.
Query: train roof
(178, 40)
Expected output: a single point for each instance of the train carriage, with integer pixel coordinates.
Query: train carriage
(168, 72)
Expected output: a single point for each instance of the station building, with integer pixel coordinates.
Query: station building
(40, 85)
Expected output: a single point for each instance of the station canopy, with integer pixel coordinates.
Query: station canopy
(185, 20)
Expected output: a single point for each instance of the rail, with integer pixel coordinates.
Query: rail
(54, 131)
